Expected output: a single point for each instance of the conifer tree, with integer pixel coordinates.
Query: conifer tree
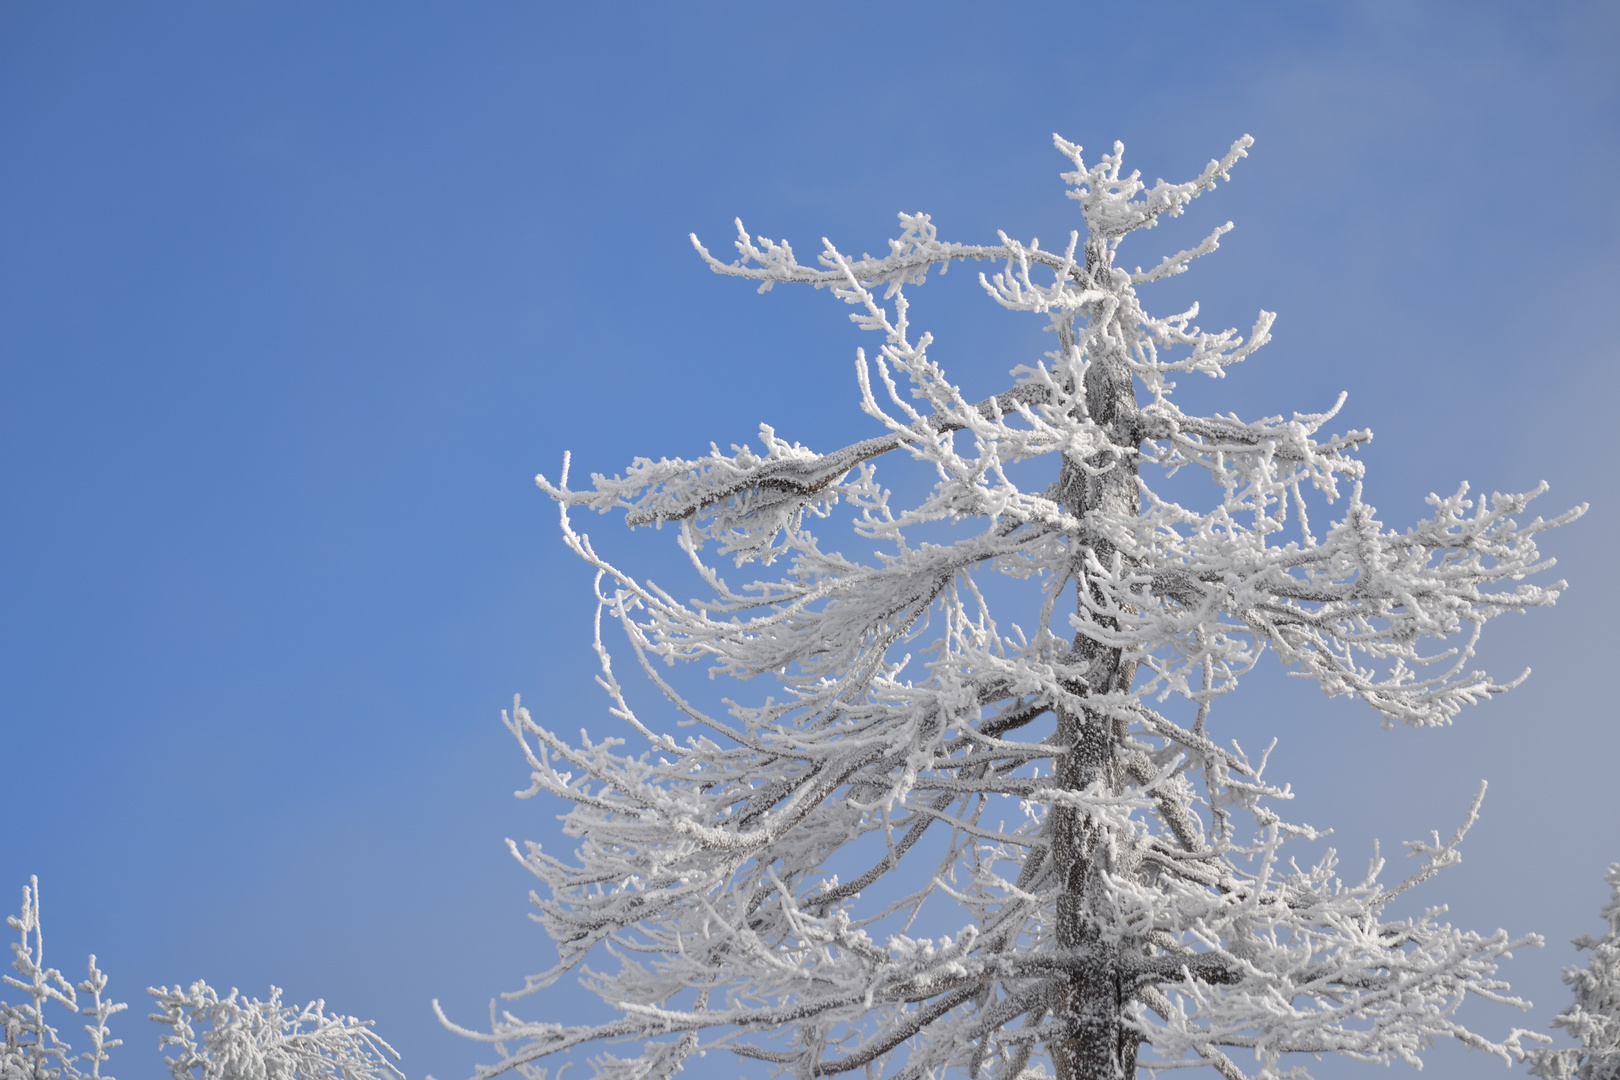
(1594, 1017)
(34, 1048)
(1049, 777)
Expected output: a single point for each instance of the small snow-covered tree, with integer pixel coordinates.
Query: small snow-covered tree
(34, 1049)
(244, 1039)
(1594, 1018)
(1122, 887)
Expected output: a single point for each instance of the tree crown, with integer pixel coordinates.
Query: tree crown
(1119, 875)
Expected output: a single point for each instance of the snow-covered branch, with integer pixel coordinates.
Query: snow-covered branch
(249, 1039)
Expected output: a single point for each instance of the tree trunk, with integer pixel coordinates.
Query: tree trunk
(1091, 1002)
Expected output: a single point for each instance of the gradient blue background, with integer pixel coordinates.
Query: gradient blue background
(295, 299)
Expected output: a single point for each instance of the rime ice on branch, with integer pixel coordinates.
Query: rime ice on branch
(1124, 898)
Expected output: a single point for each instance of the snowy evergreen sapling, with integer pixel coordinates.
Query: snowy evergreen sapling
(34, 1049)
(1594, 1018)
(1122, 892)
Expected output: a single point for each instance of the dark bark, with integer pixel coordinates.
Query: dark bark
(1091, 1001)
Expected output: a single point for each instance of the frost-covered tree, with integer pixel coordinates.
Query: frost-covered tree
(239, 1039)
(1110, 888)
(1594, 1018)
(249, 1039)
(34, 1049)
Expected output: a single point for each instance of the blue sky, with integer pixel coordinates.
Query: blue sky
(296, 299)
